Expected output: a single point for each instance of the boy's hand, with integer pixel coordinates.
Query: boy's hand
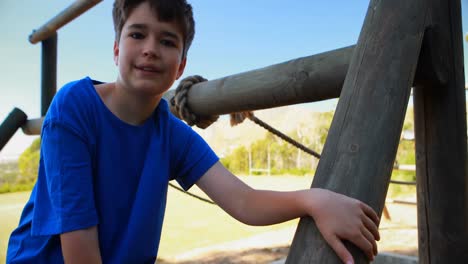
(339, 217)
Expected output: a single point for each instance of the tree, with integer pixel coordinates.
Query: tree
(28, 163)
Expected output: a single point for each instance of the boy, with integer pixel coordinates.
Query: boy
(109, 150)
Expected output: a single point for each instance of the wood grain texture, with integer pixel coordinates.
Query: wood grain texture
(309, 79)
(441, 149)
(358, 155)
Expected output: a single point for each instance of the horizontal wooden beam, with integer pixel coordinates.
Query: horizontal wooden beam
(308, 79)
(33, 126)
(67, 15)
(404, 167)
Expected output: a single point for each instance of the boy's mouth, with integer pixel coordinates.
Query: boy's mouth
(148, 68)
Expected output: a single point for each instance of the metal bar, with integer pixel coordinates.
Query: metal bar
(67, 15)
(49, 72)
(14, 120)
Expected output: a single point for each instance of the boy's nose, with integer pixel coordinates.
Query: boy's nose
(149, 53)
(151, 49)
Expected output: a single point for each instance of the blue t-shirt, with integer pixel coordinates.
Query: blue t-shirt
(96, 169)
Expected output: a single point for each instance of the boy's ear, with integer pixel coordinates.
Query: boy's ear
(181, 67)
(116, 53)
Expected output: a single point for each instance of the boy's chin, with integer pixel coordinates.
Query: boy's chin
(150, 90)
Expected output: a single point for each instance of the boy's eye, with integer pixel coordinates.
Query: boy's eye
(168, 43)
(136, 35)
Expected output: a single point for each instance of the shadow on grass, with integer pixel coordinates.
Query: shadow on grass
(406, 252)
(258, 255)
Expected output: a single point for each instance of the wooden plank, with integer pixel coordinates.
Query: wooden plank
(358, 155)
(441, 147)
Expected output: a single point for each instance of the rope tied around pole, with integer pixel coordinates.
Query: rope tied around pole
(180, 102)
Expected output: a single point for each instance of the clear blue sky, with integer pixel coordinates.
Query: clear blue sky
(232, 36)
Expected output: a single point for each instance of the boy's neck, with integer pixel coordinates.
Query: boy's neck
(132, 109)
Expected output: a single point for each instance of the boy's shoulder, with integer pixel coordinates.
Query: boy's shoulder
(74, 98)
(76, 88)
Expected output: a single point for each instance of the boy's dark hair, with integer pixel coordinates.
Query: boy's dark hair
(166, 10)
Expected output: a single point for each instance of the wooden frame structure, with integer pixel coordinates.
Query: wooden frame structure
(401, 41)
(402, 44)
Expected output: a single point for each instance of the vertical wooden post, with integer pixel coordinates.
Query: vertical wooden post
(358, 156)
(48, 72)
(441, 147)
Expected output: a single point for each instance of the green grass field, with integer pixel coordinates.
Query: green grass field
(11, 205)
(189, 223)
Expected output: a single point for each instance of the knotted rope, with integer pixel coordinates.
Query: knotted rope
(180, 102)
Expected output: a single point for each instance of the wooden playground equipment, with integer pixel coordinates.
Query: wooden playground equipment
(403, 44)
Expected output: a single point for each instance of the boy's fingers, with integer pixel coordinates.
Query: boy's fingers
(372, 227)
(370, 213)
(370, 237)
(340, 250)
(361, 242)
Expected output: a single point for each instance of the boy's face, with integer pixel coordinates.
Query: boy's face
(149, 53)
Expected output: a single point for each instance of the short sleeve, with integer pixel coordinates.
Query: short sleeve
(192, 156)
(64, 194)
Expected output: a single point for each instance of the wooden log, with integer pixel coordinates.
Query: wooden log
(8, 127)
(48, 72)
(74, 10)
(358, 155)
(404, 167)
(33, 126)
(309, 79)
(441, 142)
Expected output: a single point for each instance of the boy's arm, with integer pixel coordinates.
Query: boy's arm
(81, 246)
(338, 217)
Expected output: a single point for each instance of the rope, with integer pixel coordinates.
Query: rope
(191, 194)
(239, 117)
(180, 102)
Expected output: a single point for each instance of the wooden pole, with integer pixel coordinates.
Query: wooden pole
(309, 79)
(441, 147)
(33, 126)
(48, 72)
(8, 127)
(67, 15)
(358, 155)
